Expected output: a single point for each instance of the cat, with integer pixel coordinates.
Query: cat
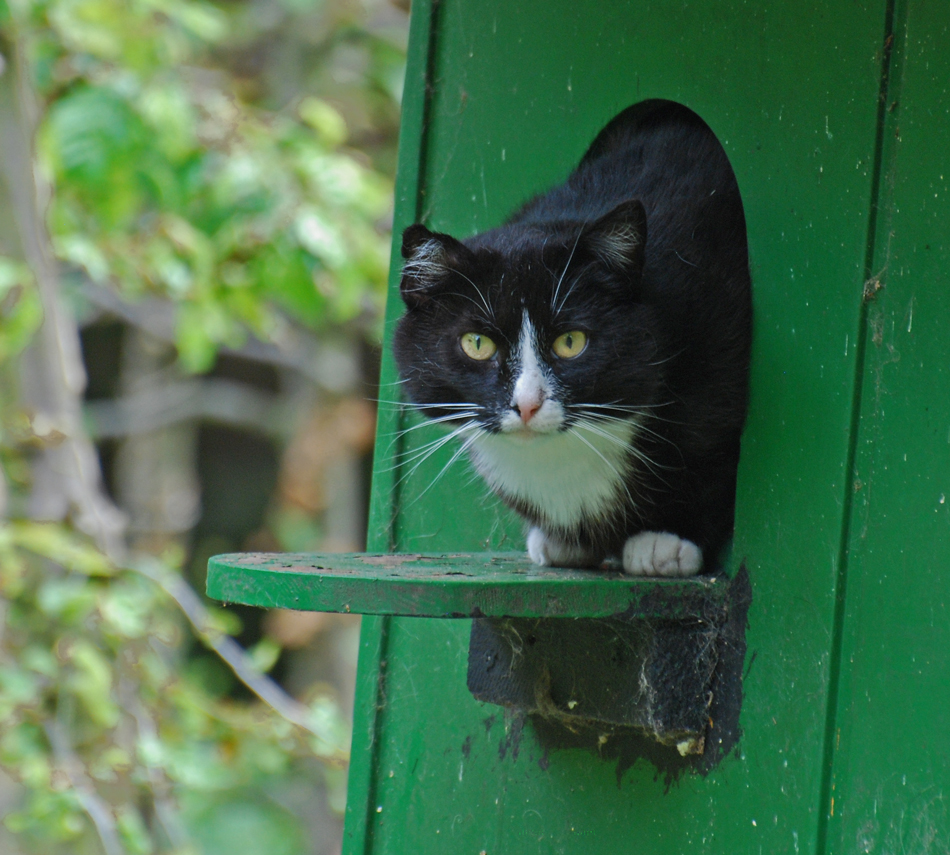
(592, 353)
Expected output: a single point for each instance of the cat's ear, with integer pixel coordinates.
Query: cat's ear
(415, 237)
(618, 237)
(430, 256)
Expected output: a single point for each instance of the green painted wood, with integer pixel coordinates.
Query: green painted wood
(450, 586)
(517, 91)
(891, 786)
(380, 536)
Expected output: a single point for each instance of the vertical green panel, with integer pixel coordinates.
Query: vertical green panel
(374, 631)
(518, 91)
(892, 772)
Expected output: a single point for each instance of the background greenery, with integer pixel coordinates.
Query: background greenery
(194, 215)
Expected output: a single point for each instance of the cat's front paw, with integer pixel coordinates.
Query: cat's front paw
(550, 552)
(657, 553)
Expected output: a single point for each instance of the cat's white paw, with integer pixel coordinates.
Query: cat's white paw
(657, 553)
(550, 552)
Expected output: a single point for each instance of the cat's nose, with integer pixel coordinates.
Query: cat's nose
(528, 408)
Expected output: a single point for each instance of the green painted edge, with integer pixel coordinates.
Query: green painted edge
(893, 48)
(452, 586)
(384, 494)
(374, 633)
(361, 781)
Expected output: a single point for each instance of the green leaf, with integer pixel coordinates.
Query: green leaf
(92, 135)
(200, 329)
(69, 601)
(39, 659)
(17, 688)
(54, 541)
(79, 249)
(21, 311)
(126, 608)
(91, 682)
(202, 19)
(288, 281)
(224, 621)
(23, 749)
(112, 760)
(320, 236)
(169, 114)
(325, 120)
(265, 654)
(133, 831)
(250, 825)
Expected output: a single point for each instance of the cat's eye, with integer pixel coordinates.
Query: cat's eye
(477, 346)
(570, 344)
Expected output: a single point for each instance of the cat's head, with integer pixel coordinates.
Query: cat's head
(525, 329)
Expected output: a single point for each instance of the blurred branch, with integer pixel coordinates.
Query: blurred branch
(96, 808)
(4, 496)
(66, 474)
(235, 657)
(332, 368)
(192, 399)
(165, 809)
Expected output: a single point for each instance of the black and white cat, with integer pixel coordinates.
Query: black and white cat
(592, 353)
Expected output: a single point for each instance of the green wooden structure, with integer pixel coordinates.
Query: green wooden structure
(836, 118)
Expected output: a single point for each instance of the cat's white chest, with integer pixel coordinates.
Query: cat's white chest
(566, 475)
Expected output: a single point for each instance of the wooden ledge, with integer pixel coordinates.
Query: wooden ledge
(453, 585)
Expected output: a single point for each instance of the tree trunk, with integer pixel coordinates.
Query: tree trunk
(67, 481)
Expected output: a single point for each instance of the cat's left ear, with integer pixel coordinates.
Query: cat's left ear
(430, 258)
(618, 238)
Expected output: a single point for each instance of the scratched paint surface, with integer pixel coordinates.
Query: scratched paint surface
(518, 91)
(450, 585)
(891, 787)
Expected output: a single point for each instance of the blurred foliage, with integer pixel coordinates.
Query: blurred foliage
(20, 310)
(183, 163)
(94, 707)
(167, 181)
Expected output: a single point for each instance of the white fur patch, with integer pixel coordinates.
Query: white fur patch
(617, 244)
(533, 388)
(427, 262)
(550, 552)
(657, 553)
(566, 475)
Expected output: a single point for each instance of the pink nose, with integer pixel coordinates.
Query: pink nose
(528, 409)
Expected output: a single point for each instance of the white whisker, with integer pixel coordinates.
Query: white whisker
(570, 290)
(554, 303)
(616, 440)
(620, 479)
(645, 459)
(451, 417)
(481, 296)
(410, 405)
(400, 461)
(645, 410)
(427, 450)
(641, 423)
(468, 417)
(458, 453)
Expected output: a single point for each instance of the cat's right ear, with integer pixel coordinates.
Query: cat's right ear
(430, 256)
(618, 237)
(414, 238)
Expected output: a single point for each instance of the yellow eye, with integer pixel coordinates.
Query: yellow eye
(477, 346)
(570, 344)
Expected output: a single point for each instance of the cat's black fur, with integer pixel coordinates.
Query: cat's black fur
(647, 240)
